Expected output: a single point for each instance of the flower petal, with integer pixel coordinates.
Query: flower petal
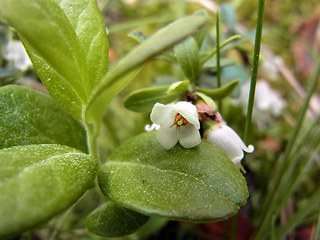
(189, 112)
(189, 136)
(223, 140)
(160, 113)
(235, 139)
(167, 137)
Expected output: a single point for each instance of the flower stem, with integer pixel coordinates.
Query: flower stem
(218, 56)
(254, 74)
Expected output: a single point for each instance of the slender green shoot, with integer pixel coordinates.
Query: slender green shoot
(254, 74)
(206, 56)
(218, 56)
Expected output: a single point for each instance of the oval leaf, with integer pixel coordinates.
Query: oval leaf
(187, 54)
(68, 47)
(38, 182)
(220, 93)
(111, 220)
(144, 99)
(30, 117)
(198, 184)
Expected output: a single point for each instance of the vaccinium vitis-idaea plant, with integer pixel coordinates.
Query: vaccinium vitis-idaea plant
(44, 157)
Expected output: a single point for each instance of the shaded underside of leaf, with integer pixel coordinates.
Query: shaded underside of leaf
(111, 220)
(199, 184)
(30, 117)
(38, 182)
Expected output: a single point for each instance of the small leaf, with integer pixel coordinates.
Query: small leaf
(220, 93)
(211, 64)
(111, 220)
(208, 100)
(38, 182)
(123, 72)
(144, 99)
(187, 54)
(68, 47)
(138, 36)
(228, 15)
(198, 184)
(30, 117)
(180, 86)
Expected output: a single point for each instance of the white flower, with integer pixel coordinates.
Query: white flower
(16, 53)
(267, 102)
(228, 141)
(178, 122)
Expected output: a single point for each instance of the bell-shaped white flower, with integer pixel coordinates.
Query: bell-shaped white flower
(178, 122)
(229, 142)
(16, 53)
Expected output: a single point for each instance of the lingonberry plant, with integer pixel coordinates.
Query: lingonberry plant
(49, 159)
(185, 166)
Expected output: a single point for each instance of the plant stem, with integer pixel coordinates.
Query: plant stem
(254, 74)
(218, 56)
(92, 143)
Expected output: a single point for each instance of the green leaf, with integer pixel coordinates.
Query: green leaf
(112, 220)
(68, 47)
(137, 36)
(180, 86)
(198, 184)
(87, 21)
(208, 100)
(187, 54)
(143, 100)
(38, 182)
(211, 64)
(220, 93)
(30, 117)
(160, 41)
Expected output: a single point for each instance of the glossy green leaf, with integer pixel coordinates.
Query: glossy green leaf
(198, 184)
(143, 100)
(180, 86)
(68, 47)
(38, 182)
(112, 220)
(187, 54)
(160, 41)
(220, 93)
(30, 117)
(87, 21)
